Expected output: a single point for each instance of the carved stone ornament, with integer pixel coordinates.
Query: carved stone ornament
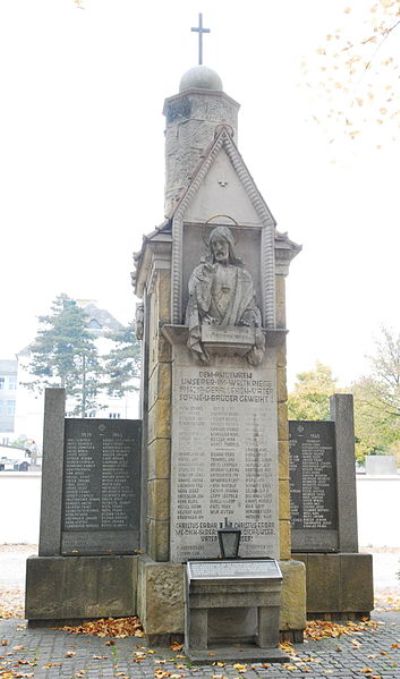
(222, 296)
(139, 321)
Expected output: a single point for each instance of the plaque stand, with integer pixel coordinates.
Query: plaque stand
(243, 584)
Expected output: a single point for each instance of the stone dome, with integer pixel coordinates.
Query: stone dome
(200, 77)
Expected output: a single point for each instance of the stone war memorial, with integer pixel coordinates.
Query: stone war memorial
(135, 513)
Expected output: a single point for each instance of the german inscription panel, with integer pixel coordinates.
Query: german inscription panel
(224, 458)
(101, 486)
(313, 489)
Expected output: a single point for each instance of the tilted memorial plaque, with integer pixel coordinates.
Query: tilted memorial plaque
(101, 487)
(313, 486)
(237, 569)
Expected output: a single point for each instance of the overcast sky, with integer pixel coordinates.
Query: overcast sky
(82, 160)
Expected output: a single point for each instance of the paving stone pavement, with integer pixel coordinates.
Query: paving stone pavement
(42, 653)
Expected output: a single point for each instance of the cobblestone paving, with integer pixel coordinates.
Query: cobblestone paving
(43, 653)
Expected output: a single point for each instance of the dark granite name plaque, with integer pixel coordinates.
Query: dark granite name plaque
(313, 486)
(101, 486)
(233, 570)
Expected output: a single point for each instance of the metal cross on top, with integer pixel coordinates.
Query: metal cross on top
(200, 30)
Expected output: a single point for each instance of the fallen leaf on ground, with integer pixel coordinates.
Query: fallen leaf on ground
(287, 647)
(322, 629)
(176, 646)
(27, 662)
(119, 628)
(12, 603)
(239, 667)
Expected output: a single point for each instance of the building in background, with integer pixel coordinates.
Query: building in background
(8, 390)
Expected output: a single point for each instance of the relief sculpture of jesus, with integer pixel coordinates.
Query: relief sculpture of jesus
(221, 293)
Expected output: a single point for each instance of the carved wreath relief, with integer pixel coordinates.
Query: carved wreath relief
(222, 293)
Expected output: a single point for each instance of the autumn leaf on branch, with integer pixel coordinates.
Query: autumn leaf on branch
(353, 77)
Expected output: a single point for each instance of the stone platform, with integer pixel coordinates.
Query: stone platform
(73, 588)
(338, 585)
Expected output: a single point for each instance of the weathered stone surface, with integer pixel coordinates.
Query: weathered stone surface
(281, 355)
(161, 597)
(293, 598)
(323, 582)
(283, 430)
(52, 476)
(283, 447)
(159, 421)
(159, 459)
(80, 587)
(164, 296)
(158, 539)
(158, 499)
(160, 383)
(224, 459)
(281, 386)
(284, 499)
(338, 583)
(280, 301)
(191, 121)
(342, 412)
(357, 586)
(284, 538)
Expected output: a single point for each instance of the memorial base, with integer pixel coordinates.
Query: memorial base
(161, 599)
(76, 588)
(339, 586)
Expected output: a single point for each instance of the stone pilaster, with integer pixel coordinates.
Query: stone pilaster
(159, 421)
(283, 432)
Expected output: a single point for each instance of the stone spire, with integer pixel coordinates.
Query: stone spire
(192, 117)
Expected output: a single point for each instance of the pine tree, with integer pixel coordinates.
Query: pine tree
(123, 362)
(64, 354)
